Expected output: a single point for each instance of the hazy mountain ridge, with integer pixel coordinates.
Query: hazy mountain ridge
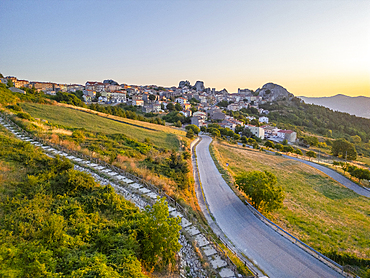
(358, 106)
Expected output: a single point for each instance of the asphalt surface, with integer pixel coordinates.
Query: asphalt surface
(274, 254)
(336, 176)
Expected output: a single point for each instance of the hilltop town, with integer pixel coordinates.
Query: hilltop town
(196, 102)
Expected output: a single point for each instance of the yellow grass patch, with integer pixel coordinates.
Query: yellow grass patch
(62, 131)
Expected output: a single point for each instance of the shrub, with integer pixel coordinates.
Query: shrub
(25, 115)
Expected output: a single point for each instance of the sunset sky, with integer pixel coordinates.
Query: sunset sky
(312, 48)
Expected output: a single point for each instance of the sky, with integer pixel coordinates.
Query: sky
(312, 48)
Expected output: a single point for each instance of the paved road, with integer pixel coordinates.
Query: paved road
(276, 255)
(333, 174)
(336, 176)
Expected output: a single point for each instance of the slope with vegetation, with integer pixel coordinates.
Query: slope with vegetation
(316, 209)
(58, 222)
(157, 153)
(309, 118)
(149, 150)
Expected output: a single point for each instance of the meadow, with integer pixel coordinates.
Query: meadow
(317, 209)
(163, 137)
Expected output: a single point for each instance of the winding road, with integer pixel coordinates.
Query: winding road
(336, 176)
(274, 254)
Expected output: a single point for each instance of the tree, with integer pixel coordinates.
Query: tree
(311, 154)
(356, 139)
(261, 189)
(239, 128)
(159, 236)
(365, 175)
(178, 124)
(178, 106)
(298, 152)
(193, 109)
(312, 140)
(96, 98)
(279, 147)
(251, 141)
(269, 144)
(152, 97)
(288, 149)
(10, 84)
(341, 147)
(170, 106)
(247, 132)
(214, 131)
(194, 101)
(255, 122)
(194, 128)
(230, 133)
(285, 142)
(223, 103)
(256, 146)
(236, 136)
(190, 134)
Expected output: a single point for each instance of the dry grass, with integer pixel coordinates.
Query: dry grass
(61, 131)
(69, 117)
(317, 209)
(173, 130)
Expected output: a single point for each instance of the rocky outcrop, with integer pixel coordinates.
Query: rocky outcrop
(274, 92)
(184, 83)
(199, 86)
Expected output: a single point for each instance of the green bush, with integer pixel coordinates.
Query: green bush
(58, 222)
(25, 115)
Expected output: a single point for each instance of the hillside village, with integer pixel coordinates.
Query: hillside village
(200, 104)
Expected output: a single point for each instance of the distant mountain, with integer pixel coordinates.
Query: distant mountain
(359, 106)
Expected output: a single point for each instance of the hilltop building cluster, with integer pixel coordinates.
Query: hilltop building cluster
(153, 98)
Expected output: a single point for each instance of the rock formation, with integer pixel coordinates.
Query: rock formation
(274, 92)
(199, 86)
(184, 83)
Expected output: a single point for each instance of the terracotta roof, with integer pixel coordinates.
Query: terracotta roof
(286, 131)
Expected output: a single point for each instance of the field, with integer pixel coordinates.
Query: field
(161, 136)
(317, 209)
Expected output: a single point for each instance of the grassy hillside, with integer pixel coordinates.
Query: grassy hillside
(317, 210)
(318, 120)
(157, 153)
(57, 222)
(6, 96)
(161, 136)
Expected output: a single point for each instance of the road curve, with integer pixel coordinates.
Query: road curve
(274, 254)
(336, 176)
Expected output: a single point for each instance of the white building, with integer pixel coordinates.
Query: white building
(289, 135)
(257, 131)
(270, 130)
(263, 120)
(198, 119)
(181, 100)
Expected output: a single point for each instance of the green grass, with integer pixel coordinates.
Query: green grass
(317, 209)
(365, 160)
(72, 118)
